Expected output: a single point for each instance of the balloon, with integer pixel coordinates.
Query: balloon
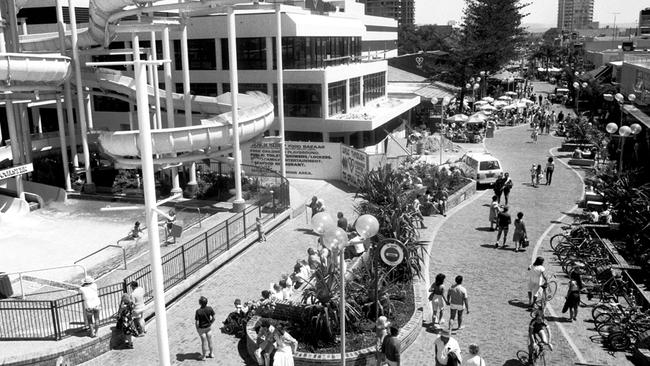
(434, 100)
(619, 97)
(636, 128)
(576, 84)
(631, 97)
(335, 238)
(321, 222)
(608, 97)
(367, 226)
(611, 127)
(624, 131)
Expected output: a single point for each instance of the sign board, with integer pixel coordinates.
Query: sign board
(354, 166)
(17, 170)
(310, 160)
(392, 254)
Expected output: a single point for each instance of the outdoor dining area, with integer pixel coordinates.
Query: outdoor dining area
(488, 113)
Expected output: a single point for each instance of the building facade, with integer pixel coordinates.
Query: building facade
(575, 14)
(401, 10)
(644, 22)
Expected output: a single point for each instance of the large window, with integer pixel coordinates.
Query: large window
(111, 58)
(244, 87)
(300, 100)
(374, 86)
(336, 97)
(201, 53)
(355, 92)
(251, 53)
(204, 89)
(317, 52)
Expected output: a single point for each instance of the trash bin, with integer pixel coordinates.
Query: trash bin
(489, 131)
(6, 290)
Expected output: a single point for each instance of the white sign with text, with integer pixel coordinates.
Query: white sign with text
(310, 160)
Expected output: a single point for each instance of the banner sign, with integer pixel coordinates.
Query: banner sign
(17, 170)
(310, 160)
(354, 166)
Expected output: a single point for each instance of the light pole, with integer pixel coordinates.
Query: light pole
(443, 106)
(577, 86)
(623, 131)
(620, 99)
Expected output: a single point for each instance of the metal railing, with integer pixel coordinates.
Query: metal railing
(106, 247)
(57, 319)
(21, 273)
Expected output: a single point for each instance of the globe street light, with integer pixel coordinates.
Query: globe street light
(577, 86)
(620, 99)
(623, 131)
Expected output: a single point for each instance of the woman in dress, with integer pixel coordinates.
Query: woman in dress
(125, 320)
(520, 231)
(538, 171)
(285, 346)
(494, 212)
(533, 175)
(573, 296)
(437, 297)
(536, 277)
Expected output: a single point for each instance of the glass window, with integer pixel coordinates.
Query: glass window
(317, 52)
(244, 87)
(336, 95)
(204, 89)
(355, 92)
(108, 104)
(374, 86)
(201, 53)
(251, 53)
(489, 165)
(300, 100)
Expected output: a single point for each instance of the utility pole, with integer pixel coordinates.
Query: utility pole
(614, 31)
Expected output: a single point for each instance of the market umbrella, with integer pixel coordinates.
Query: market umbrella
(488, 99)
(487, 108)
(505, 97)
(521, 105)
(527, 101)
(511, 93)
(476, 118)
(458, 118)
(480, 102)
(511, 106)
(500, 103)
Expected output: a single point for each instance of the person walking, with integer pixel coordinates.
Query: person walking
(533, 175)
(442, 196)
(498, 186)
(392, 348)
(573, 296)
(519, 234)
(313, 205)
(447, 350)
(261, 236)
(91, 303)
(203, 318)
(381, 331)
(418, 214)
(533, 135)
(458, 302)
(169, 225)
(125, 321)
(538, 173)
(550, 167)
(264, 343)
(503, 225)
(536, 277)
(475, 359)
(341, 221)
(438, 299)
(137, 293)
(507, 186)
(494, 212)
(285, 347)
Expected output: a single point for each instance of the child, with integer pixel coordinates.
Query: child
(533, 175)
(539, 173)
(260, 229)
(136, 232)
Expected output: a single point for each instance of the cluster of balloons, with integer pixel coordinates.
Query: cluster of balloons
(334, 237)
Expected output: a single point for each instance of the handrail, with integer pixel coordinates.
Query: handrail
(20, 274)
(198, 209)
(107, 246)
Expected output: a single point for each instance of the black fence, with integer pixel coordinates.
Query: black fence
(57, 319)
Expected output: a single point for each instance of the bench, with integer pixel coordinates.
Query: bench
(594, 205)
(582, 162)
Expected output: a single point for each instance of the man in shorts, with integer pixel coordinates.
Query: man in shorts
(457, 300)
(503, 224)
(137, 292)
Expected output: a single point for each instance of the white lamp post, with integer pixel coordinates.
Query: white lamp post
(443, 106)
(578, 86)
(623, 131)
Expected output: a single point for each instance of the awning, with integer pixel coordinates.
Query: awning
(321, 26)
(399, 75)
(638, 114)
(597, 73)
(431, 91)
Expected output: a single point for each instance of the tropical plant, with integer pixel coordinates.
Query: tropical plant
(321, 315)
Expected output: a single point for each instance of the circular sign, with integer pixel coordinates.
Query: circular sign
(392, 254)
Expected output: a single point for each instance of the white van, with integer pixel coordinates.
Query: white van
(483, 167)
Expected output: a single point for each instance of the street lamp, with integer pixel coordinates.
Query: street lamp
(620, 99)
(577, 86)
(623, 131)
(443, 107)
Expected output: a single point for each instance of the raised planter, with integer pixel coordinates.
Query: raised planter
(582, 162)
(571, 146)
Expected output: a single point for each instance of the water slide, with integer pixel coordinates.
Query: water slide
(189, 143)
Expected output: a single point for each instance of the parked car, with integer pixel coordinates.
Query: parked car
(483, 167)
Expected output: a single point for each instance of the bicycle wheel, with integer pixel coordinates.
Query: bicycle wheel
(606, 318)
(618, 341)
(603, 308)
(557, 239)
(605, 329)
(551, 289)
(522, 356)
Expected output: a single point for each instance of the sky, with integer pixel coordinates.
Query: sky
(541, 11)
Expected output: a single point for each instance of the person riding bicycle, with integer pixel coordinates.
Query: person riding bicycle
(536, 279)
(538, 334)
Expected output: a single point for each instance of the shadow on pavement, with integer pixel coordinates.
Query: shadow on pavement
(188, 356)
(512, 362)
(484, 229)
(307, 231)
(518, 303)
(557, 319)
(243, 353)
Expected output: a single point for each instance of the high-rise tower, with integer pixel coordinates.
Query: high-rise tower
(401, 10)
(575, 14)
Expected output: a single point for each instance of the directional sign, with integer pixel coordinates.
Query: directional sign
(392, 254)
(17, 170)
